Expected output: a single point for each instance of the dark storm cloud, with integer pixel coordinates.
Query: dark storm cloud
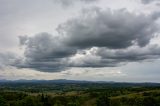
(47, 66)
(112, 29)
(45, 52)
(46, 46)
(94, 39)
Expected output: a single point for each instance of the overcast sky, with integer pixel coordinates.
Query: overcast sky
(110, 40)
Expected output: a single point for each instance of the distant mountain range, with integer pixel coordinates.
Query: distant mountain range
(65, 81)
(70, 81)
(54, 81)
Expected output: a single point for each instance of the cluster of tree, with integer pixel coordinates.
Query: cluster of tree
(102, 99)
(39, 100)
(89, 96)
(64, 85)
(145, 99)
(2, 101)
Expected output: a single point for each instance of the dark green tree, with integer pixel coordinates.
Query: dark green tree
(150, 101)
(103, 100)
(2, 101)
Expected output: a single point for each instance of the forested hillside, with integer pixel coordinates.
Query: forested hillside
(79, 94)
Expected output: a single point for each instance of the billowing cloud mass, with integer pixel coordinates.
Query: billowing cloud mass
(96, 38)
(44, 52)
(111, 29)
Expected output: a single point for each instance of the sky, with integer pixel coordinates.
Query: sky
(96, 40)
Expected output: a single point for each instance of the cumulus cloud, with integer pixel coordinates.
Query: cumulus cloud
(112, 29)
(104, 57)
(133, 53)
(97, 38)
(46, 46)
(45, 52)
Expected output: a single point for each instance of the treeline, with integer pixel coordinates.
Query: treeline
(40, 100)
(111, 96)
(103, 99)
(37, 87)
(151, 99)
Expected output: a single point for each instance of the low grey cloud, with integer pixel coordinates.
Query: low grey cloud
(97, 38)
(104, 57)
(130, 54)
(7, 59)
(46, 46)
(44, 52)
(112, 29)
(23, 40)
(148, 1)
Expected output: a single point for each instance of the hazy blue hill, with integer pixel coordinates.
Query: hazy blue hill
(65, 81)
